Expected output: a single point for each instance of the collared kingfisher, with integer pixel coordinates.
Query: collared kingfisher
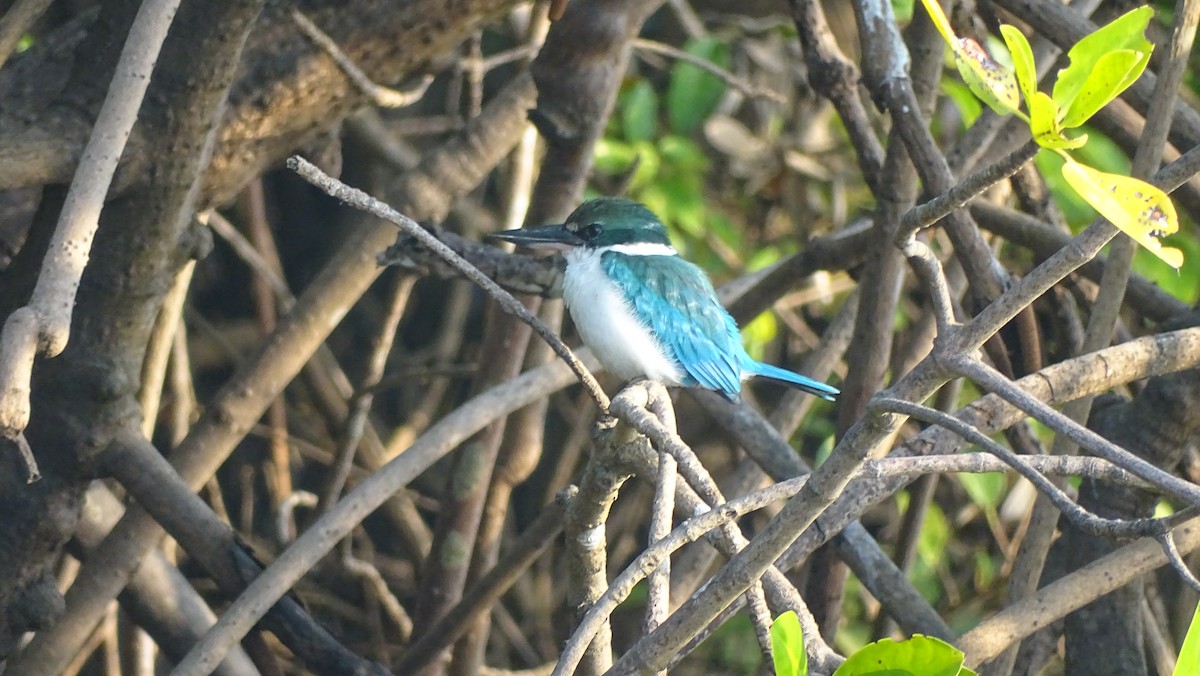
(644, 311)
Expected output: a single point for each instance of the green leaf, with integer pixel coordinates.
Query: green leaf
(693, 93)
(1124, 32)
(1076, 209)
(683, 154)
(649, 164)
(985, 490)
(613, 157)
(1189, 654)
(639, 112)
(990, 80)
(918, 656)
(968, 106)
(787, 646)
(934, 538)
(1043, 124)
(1137, 208)
(1022, 58)
(758, 333)
(1183, 283)
(1114, 72)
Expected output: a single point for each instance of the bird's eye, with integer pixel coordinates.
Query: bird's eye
(590, 231)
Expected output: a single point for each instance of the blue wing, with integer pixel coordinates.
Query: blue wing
(676, 301)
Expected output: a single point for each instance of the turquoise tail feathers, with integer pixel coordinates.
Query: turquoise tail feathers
(809, 385)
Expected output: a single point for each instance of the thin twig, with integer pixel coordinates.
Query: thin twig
(360, 200)
(1084, 520)
(158, 351)
(696, 527)
(32, 472)
(360, 404)
(929, 269)
(371, 576)
(989, 379)
(633, 406)
(937, 208)
(996, 633)
(364, 499)
(384, 97)
(522, 553)
(748, 88)
(1167, 541)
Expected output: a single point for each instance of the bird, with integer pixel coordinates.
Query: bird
(645, 311)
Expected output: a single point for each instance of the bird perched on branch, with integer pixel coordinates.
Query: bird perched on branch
(644, 311)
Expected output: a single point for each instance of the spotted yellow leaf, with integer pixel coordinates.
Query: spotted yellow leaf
(1137, 208)
(993, 82)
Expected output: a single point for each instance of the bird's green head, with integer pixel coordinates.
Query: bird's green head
(598, 223)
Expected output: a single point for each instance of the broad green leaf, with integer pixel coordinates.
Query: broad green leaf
(1137, 208)
(990, 80)
(940, 21)
(1114, 72)
(918, 656)
(693, 93)
(1124, 32)
(639, 112)
(1189, 654)
(787, 646)
(1022, 58)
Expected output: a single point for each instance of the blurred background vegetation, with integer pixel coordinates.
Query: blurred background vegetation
(717, 129)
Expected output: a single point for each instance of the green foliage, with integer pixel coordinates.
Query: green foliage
(918, 656)
(649, 147)
(787, 646)
(639, 114)
(962, 97)
(693, 93)
(735, 648)
(1102, 65)
(1189, 654)
(935, 537)
(985, 490)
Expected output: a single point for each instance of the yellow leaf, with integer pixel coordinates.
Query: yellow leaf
(940, 21)
(990, 80)
(1137, 208)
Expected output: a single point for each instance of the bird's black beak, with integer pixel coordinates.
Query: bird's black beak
(553, 237)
